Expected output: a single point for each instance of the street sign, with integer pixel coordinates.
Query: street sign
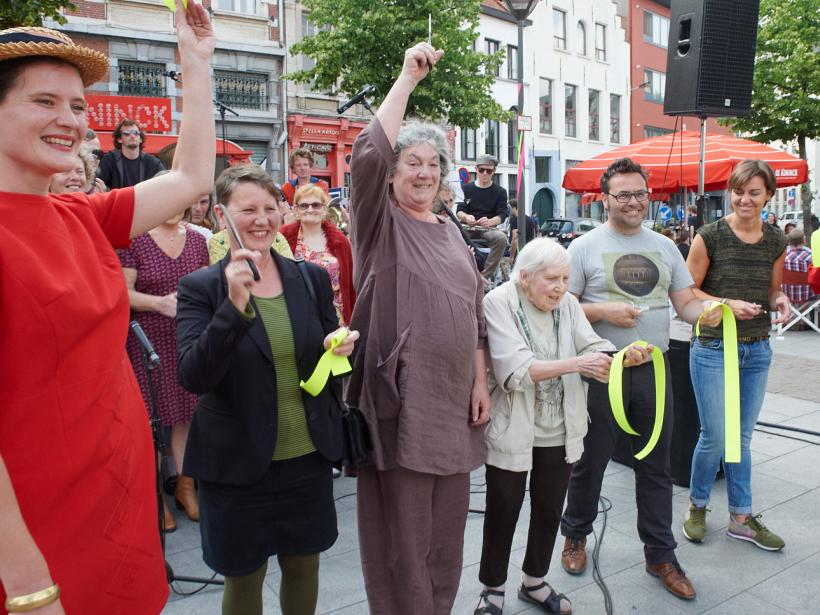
(665, 213)
(524, 122)
(463, 175)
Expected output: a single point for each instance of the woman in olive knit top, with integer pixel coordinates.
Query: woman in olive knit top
(737, 260)
(260, 447)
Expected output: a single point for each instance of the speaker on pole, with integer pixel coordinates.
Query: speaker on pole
(711, 57)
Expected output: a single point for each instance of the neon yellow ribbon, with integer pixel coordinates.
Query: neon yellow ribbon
(172, 5)
(731, 382)
(815, 248)
(329, 363)
(616, 397)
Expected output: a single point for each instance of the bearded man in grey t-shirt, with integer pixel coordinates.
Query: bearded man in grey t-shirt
(625, 276)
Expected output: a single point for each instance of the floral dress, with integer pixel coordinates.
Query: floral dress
(329, 263)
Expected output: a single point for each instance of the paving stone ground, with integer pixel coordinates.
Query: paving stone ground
(731, 577)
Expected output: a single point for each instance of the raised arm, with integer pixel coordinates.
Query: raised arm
(418, 61)
(158, 199)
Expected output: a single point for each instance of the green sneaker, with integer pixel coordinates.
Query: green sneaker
(694, 526)
(755, 532)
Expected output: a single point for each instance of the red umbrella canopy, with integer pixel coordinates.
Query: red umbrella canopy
(672, 162)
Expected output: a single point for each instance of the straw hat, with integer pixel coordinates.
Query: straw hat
(32, 41)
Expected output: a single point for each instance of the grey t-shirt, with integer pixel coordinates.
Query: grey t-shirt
(641, 269)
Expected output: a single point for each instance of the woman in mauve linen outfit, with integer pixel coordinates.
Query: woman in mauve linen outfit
(419, 374)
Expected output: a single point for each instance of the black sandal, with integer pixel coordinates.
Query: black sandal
(489, 608)
(552, 603)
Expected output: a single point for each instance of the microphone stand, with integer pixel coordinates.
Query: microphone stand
(150, 364)
(223, 108)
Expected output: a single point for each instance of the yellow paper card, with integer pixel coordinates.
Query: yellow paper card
(731, 382)
(616, 397)
(328, 363)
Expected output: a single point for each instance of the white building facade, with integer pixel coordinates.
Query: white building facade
(576, 90)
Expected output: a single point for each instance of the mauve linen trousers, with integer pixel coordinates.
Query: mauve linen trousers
(411, 537)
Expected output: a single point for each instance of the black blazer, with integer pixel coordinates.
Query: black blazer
(225, 358)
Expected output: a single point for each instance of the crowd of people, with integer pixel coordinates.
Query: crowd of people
(243, 286)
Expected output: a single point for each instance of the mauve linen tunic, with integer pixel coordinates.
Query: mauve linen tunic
(419, 313)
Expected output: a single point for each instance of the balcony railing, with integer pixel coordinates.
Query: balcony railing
(242, 90)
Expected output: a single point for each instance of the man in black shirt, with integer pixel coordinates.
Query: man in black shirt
(127, 165)
(483, 209)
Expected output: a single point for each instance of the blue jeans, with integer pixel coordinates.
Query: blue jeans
(706, 367)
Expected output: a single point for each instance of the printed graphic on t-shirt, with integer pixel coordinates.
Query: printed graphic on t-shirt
(639, 277)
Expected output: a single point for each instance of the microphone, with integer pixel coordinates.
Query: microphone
(359, 97)
(172, 74)
(147, 346)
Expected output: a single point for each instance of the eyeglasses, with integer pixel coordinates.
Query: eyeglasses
(130, 133)
(624, 197)
(485, 170)
(305, 206)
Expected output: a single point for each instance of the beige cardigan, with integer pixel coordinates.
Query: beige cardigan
(510, 434)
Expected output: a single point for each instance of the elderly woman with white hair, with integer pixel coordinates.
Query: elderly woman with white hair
(419, 375)
(541, 345)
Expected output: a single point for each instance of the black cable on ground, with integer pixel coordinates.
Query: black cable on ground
(789, 428)
(782, 435)
(179, 592)
(606, 505)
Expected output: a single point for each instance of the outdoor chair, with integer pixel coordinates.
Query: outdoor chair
(806, 312)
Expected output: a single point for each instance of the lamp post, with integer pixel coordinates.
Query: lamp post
(521, 9)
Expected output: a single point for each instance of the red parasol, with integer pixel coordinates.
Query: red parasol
(723, 152)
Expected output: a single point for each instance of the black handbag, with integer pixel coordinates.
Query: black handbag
(357, 444)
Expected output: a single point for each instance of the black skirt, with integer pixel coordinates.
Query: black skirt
(290, 512)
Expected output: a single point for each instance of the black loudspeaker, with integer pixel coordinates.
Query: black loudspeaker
(711, 57)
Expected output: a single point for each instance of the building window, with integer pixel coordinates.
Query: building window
(468, 143)
(570, 115)
(559, 28)
(512, 62)
(308, 29)
(614, 118)
(655, 131)
(655, 29)
(141, 79)
(492, 49)
(594, 115)
(491, 138)
(600, 42)
(242, 90)
(512, 141)
(512, 185)
(582, 38)
(542, 169)
(545, 106)
(655, 85)
(247, 7)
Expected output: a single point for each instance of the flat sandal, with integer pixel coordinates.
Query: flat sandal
(488, 608)
(551, 604)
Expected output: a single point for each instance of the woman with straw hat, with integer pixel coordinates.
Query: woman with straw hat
(78, 513)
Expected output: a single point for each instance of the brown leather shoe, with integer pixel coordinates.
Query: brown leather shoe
(574, 555)
(186, 497)
(169, 523)
(673, 578)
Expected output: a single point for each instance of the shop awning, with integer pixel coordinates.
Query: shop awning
(672, 162)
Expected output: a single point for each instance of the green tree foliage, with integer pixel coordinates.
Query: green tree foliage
(360, 42)
(16, 13)
(786, 92)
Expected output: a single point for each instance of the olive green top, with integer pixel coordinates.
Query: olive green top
(293, 438)
(740, 270)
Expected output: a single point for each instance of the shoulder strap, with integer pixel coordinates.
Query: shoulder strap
(300, 263)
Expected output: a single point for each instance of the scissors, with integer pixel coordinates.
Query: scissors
(232, 229)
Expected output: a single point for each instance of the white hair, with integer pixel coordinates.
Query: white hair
(540, 253)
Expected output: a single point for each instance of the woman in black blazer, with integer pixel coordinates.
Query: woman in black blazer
(261, 448)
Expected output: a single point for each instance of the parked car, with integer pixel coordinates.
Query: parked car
(795, 217)
(564, 230)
